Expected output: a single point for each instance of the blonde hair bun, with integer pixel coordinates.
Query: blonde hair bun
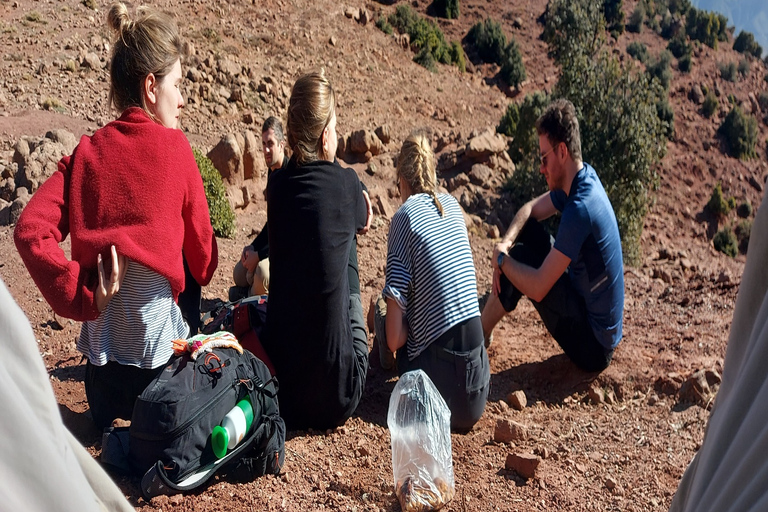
(117, 18)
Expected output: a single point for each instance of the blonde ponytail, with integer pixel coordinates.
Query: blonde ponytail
(416, 165)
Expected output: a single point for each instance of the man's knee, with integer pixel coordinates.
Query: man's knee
(239, 274)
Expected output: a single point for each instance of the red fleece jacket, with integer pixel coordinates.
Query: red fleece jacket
(134, 184)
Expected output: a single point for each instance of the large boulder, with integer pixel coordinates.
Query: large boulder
(480, 148)
(253, 161)
(227, 158)
(363, 141)
(38, 158)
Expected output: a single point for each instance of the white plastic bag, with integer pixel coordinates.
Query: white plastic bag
(420, 427)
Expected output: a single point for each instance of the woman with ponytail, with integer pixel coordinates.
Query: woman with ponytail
(315, 334)
(130, 196)
(431, 319)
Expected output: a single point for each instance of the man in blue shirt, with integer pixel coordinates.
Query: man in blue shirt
(577, 284)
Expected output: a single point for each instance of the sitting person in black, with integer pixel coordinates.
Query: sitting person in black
(315, 334)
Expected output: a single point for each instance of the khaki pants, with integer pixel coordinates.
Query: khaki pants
(258, 283)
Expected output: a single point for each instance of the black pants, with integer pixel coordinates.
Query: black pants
(563, 310)
(457, 364)
(112, 390)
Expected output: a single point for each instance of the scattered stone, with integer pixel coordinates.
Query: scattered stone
(481, 175)
(610, 483)
(695, 389)
(18, 204)
(92, 61)
(524, 464)
(493, 231)
(383, 133)
(696, 94)
(517, 399)
(253, 163)
(352, 13)
(5, 212)
(7, 189)
(248, 117)
(507, 431)
(723, 278)
(385, 208)
(332, 41)
(755, 184)
(517, 22)
(596, 395)
(362, 141)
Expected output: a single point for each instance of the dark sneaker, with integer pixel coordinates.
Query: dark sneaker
(237, 293)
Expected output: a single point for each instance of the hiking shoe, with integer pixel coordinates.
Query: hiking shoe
(237, 293)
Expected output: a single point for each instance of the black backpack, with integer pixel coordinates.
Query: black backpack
(170, 433)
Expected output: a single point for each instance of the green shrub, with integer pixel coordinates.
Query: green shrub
(762, 100)
(725, 242)
(685, 63)
(614, 16)
(638, 50)
(425, 35)
(743, 67)
(660, 69)
(740, 133)
(512, 67)
(743, 232)
(707, 27)
(91, 4)
(384, 25)
(667, 117)
(222, 216)
(680, 7)
(576, 26)
(518, 122)
(636, 19)
(447, 8)
(745, 43)
(710, 105)
(458, 57)
(679, 46)
(717, 203)
(728, 71)
(622, 135)
(744, 210)
(425, 59)
(489, 40)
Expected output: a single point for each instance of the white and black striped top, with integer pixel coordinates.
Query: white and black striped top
(430, 271)
(139, 324)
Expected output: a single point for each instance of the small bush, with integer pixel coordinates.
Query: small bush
(425, 59)
(679, 46)
(740, 132)
(728, 71)
(685, 63)
(384, 25)
(762, 100)
(518, 122)
(743, 232)
(51, 103)
(744, 210)
(667, 117)
(745, 43)
(660, 69)
(680, 7)
(635, 23)
(512, 67)
(710, 105)
(717, 203)
(743, 67)
(447, 8)
(489, 40)
(614, 16)
(426, 37)
(725, 242)
(458, 57)
(638, 50)
(222, 216)
(91, 4)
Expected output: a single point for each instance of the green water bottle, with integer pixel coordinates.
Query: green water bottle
(233, 428)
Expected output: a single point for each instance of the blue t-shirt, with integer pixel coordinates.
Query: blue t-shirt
(589, 236)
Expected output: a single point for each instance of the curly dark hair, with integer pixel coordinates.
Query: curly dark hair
(560, 124)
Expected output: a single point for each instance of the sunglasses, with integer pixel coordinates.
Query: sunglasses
(543, 158)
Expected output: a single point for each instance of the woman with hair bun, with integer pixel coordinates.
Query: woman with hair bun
(432, 319)
(131, 194)
(315, 335)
